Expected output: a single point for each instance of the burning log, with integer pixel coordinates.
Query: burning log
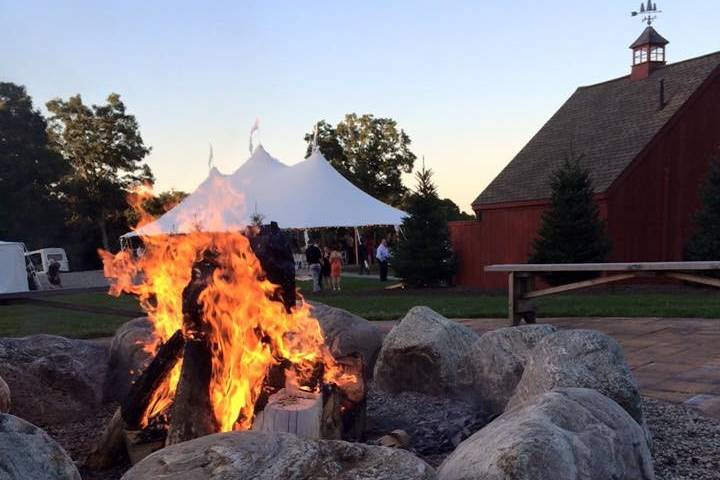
(272, 249)
(110, 449)
(352, 399)
(192, 413)
(137, 401)
(112, 446)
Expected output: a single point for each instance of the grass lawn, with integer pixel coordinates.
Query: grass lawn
(367, 297)
(24, 319)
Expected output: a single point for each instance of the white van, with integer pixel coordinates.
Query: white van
(41, 259)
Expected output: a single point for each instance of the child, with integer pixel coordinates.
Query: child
(335, 268)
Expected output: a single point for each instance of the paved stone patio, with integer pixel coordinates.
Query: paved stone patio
(676, 360)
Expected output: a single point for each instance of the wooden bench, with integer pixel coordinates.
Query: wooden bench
(521, 285)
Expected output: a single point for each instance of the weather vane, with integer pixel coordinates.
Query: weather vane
(649, 12)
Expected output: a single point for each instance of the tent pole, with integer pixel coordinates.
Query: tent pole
(357, 251)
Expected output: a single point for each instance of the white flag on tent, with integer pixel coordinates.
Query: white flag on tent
(253, 129)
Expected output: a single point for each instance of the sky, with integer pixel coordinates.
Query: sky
(469, 81)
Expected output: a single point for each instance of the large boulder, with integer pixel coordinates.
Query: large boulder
(128, 357)
(422, 353)
(580, 358)
(569, 433)
(5, 401)
(348, 334)
(490, 371)
(277, 456)
(28, 452)
(53, 379)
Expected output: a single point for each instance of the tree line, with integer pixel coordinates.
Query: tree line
(64, 179)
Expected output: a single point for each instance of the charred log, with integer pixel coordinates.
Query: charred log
(273, 250)
(192, 413)
(274, 381)
(110, 448)
(352, 401)
(137, 401)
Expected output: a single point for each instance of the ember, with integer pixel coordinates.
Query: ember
(210, 302)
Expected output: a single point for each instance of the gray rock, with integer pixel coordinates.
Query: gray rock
(5, 402)
(53, 379)
(490, 371)
(278, 456)
(128, 358)
(347, 334)
(422, 353)
(29, 453)
(580, 358)
(569, 433)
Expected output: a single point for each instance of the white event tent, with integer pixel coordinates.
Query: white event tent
(13, 276)
(310, 194)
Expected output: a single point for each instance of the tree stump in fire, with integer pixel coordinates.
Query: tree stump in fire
(292, 410)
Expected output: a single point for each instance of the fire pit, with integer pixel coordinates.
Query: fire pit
(231, 352)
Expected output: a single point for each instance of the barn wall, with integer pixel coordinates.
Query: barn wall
(503, 235)
(651, 205)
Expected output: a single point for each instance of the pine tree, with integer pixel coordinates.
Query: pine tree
(571, 230)
(705, 244)
(423, 256)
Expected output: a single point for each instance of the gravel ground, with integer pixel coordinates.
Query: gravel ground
(686, 445)
(78, 439)
(435, 425)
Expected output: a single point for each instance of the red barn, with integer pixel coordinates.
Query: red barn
(646, 139)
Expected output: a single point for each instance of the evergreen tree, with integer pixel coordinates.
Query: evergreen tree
(705, 244)
(423, 256)
(571, 230)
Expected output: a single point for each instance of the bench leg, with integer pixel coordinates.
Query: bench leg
(520, 283)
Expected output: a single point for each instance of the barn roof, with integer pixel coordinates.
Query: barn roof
(607, 124)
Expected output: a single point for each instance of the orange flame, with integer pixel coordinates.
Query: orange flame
(236, 307)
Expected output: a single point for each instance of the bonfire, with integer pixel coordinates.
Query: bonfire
(225, 348)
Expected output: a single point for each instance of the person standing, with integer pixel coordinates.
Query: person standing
(383, 256)
(335, 268)
(325, 268)
(53, 274)
(313, 256)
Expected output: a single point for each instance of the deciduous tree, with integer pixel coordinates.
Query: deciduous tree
(372, 153)
(105, 150)
(30, 210)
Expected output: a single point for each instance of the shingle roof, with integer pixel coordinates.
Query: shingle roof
(651, 36)
(608, 124)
